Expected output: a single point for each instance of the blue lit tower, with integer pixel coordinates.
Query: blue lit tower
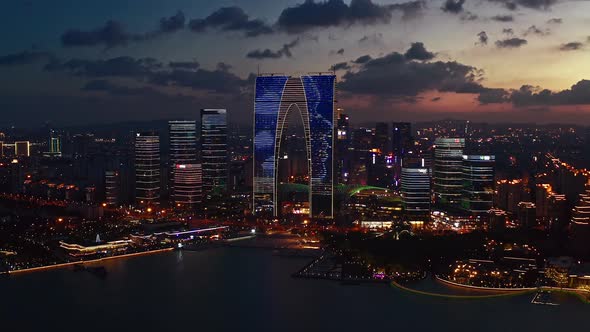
(312, 96)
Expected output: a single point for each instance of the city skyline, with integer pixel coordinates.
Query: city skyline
(393, 59)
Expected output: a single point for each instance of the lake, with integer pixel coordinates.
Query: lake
(237, 289)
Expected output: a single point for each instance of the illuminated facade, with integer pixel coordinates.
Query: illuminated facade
(448, 172)
(214, 155)
(415, 189)
(147, 168)
(478, 183)
(313, 97)
(186, 173)
(22, 149)
(112, 185)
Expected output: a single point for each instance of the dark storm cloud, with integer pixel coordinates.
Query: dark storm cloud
(110, 35)
(284, 51)
(395, 76)
(340, 66)
(123, 66)
(482, 38)
(453, 6)
(418, 52)
(555, 21)
(534, 4)
(172, 23)
(572, 46)
(508, 31)
(340, 51)
(231, 19)
(511, 43)
(363, 59)
(503, 18)
(24, 58)
(311, 14)
(184, 64)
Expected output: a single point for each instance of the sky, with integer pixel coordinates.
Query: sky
(84, 62)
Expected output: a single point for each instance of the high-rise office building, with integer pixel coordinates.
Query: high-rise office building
(580, 224)
(478, 183)
(343, 146)
(401, 144)
(214, 155)
(147, 168)
(381, 138)
(448, 172)
(188, 181)
(22, 149)
(185, 172)
(112, 188)
(415, 189)
(313, 97)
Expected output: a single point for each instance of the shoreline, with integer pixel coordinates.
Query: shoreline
(98, 260)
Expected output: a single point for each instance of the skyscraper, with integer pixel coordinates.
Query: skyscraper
(478, 183)
(185, 172)
(313, 97)
(580, 224)
(214, 156)
(448, 172)
(401, 143)
(112, 186)
(415, 189)
(343, 140)
(147, 168)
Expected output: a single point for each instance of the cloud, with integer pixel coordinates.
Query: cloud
(533, 4)
(395, 76)
(119, 90)
(508, 31)
(572, 46)
(219, 80)
(184, 64)
(418, 52)
(533, 30)
(503, 18)
(375, 38)
(269, 54)
(340, 66)
(311, 14)
(110, 35)
(231, 19)
(123, 66)
(528, 95)
(482, 38)
(435, 99)
(172, 23)
(453, 6)
(24, 58)
(511, 43)
(555, 21)
(469, 16)
(340, 51)
(362, 59)
(492, 96)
